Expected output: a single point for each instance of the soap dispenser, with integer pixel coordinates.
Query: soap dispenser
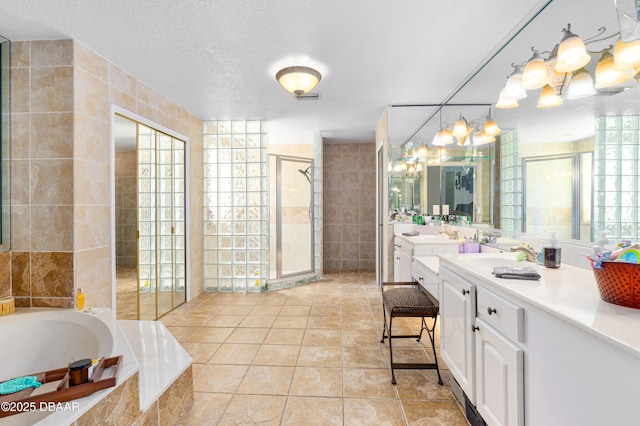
(552, 253)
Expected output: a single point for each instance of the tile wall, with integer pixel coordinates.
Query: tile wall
(62, 94)
(349, 193)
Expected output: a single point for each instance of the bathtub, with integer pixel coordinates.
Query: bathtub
(35, 341)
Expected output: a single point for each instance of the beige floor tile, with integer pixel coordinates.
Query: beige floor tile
(422, 384)
(209, 335)
(295, 310)
(317, 381)
(254, 410)
(235, 309)
(235, 353)
(207, 409)
(219, 378)
(364, 357)
(247, 335)
(326, 310)
(367, 383)
(195, 369)
(320, 356)
(190, 320)
(436, 413)
(367, 337)
(225, 320)
(258, 321)
(322, 337)
(327, 322)
(372, 412)
(272, 299)
(293, 321)
(285, 336)
(181, 333)
(266, 310)
(267, 380)
(284, 355)
(310, 410)
(201, 352)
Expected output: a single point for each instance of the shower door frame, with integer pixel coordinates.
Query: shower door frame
(279, 158)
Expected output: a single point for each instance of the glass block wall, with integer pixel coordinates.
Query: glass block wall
(236, 204)
(510, 183)
(616, 190)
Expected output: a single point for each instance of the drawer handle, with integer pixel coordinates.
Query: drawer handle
(464, 291)
(474, 328)
(491, 310)
(397, 258)
(420, 279)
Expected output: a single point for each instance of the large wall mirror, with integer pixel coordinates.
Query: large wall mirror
(573, 168)
(5, 142)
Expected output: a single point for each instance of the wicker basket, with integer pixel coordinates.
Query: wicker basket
(619, 283)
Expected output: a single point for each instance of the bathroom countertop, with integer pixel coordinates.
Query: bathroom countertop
(569, 293)
(162, 359)
(432, 263)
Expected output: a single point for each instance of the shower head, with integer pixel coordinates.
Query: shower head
(306, 173)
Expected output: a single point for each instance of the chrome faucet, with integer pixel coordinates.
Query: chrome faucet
(453, 235)
(528, 251)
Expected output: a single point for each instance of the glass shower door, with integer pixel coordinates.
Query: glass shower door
(291, 217)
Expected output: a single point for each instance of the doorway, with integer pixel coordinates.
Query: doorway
(150, 220)
(291, 217)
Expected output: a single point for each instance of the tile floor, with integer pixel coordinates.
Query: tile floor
(307, 355)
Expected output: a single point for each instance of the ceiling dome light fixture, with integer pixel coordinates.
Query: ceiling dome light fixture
(572, 53)
(298, 80)
(606, 75)
(534, 75)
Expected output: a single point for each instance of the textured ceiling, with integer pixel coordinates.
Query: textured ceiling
(218, 58)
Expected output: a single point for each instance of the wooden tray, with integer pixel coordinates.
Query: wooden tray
(64, 392)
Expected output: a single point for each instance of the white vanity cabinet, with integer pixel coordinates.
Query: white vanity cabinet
(426, 278)
(499, 361)
(479, 340)
(457, 316)
(402, 255)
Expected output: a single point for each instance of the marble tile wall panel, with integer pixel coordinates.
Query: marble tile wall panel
(120, 407)
(349, 206)
(175, 400)
(5, 274)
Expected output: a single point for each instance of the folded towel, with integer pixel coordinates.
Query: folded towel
(526, 273)
(18, 384)
(411, 234)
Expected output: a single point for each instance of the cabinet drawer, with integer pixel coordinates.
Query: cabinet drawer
(503, 315)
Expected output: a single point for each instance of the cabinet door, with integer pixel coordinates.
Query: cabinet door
(426, 279)
(499, 377)
(405, 264)
(457, 311)
(396, 263)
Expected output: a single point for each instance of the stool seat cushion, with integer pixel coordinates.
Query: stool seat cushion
(408, 302)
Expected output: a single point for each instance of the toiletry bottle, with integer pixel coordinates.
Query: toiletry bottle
(552, 255)
(80, 300)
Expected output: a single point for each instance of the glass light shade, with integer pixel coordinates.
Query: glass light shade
(626, 55)
(513, 89)
(460, 128)
(572, 54)
(298, 80)
(581, 85)
(606, 75)
(477, 137)
(422, 151)
(549, 98)
(491, 128)
(437, 139)
(446, 138)
(636, 75)
(506, 103)
(534, 75)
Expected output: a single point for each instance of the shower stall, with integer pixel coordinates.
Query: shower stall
(291, 241)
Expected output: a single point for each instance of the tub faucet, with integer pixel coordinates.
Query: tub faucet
(528, 251)
(453, 235)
